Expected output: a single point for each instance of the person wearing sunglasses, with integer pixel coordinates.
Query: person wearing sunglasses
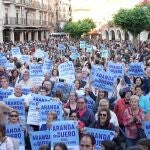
(103, 121)
(14, 117)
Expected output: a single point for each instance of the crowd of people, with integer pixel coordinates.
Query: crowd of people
(123, 110)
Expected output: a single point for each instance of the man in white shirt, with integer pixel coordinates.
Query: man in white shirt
(26, 81)
(104, 103)
(18, 94)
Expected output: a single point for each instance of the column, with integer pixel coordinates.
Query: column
(21, 36)
(36, 35)
(42, 35)
(1, 34)
(47, 34)
(12, 35)
(29, 36)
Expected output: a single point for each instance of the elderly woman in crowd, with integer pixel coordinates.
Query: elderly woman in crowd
(132, 119)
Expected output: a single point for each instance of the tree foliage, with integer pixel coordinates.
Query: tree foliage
(134, 20)
(76, 29)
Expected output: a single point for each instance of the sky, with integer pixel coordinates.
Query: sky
(100, 10)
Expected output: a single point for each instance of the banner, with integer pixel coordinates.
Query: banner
(5, 93)
(3, 61)
(136, 69)
(72, 48)
(103, 80)
(9, 66)
(39, 53)
(146, 126)
(82, 44)
(47, 66)
(46, 107)
(17, 104)
(116, 68)
(36, 70)
(100, 135)
(65, 131)
(104, 53)
(16, 131)
(67, 71)
(33, 114)
(39, 138)
(16, 52)
(61, 47)
(26, 90)
(25, 58)
(89, 48)
(95, 69)
(90, 102)
(74, 56)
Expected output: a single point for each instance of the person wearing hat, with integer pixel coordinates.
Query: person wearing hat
(144, 144)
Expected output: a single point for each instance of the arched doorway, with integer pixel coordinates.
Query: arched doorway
(112, 35)
(106, 35)
(119, 35)
(126, 36)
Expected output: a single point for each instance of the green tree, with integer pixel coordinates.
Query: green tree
(76, 29)
(134, 20)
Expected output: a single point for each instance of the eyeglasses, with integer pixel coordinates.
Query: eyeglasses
(104, 115)
(87, 146)
(14, 116)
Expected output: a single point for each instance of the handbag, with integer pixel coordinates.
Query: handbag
(140, 133)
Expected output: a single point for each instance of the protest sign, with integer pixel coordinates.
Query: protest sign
(16, 52)
(103, 80)
(36, 70)
(26, 90)
(82, 44)
(16, 131)
(90, 102)
(146, 126)
(136, 69)
(3, 61)
(46, 107)
(100, 135)
(9, 66)
(47, 66)
(95, 69)
(67, 71)
(39, 138)
(74, 56)
(37, 80)
(33, 114)
(89, 48)
(17, 104)
(116, 68)
(39, 53)
(104, 53)
(61, 47)
(72, 48)
(5, 93)
(65, 131)
(25, 58)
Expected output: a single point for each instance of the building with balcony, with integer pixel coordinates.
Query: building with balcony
(64, 13)
(23, 20)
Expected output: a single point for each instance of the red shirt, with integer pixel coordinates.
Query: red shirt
(131, 128)
(119, 109)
